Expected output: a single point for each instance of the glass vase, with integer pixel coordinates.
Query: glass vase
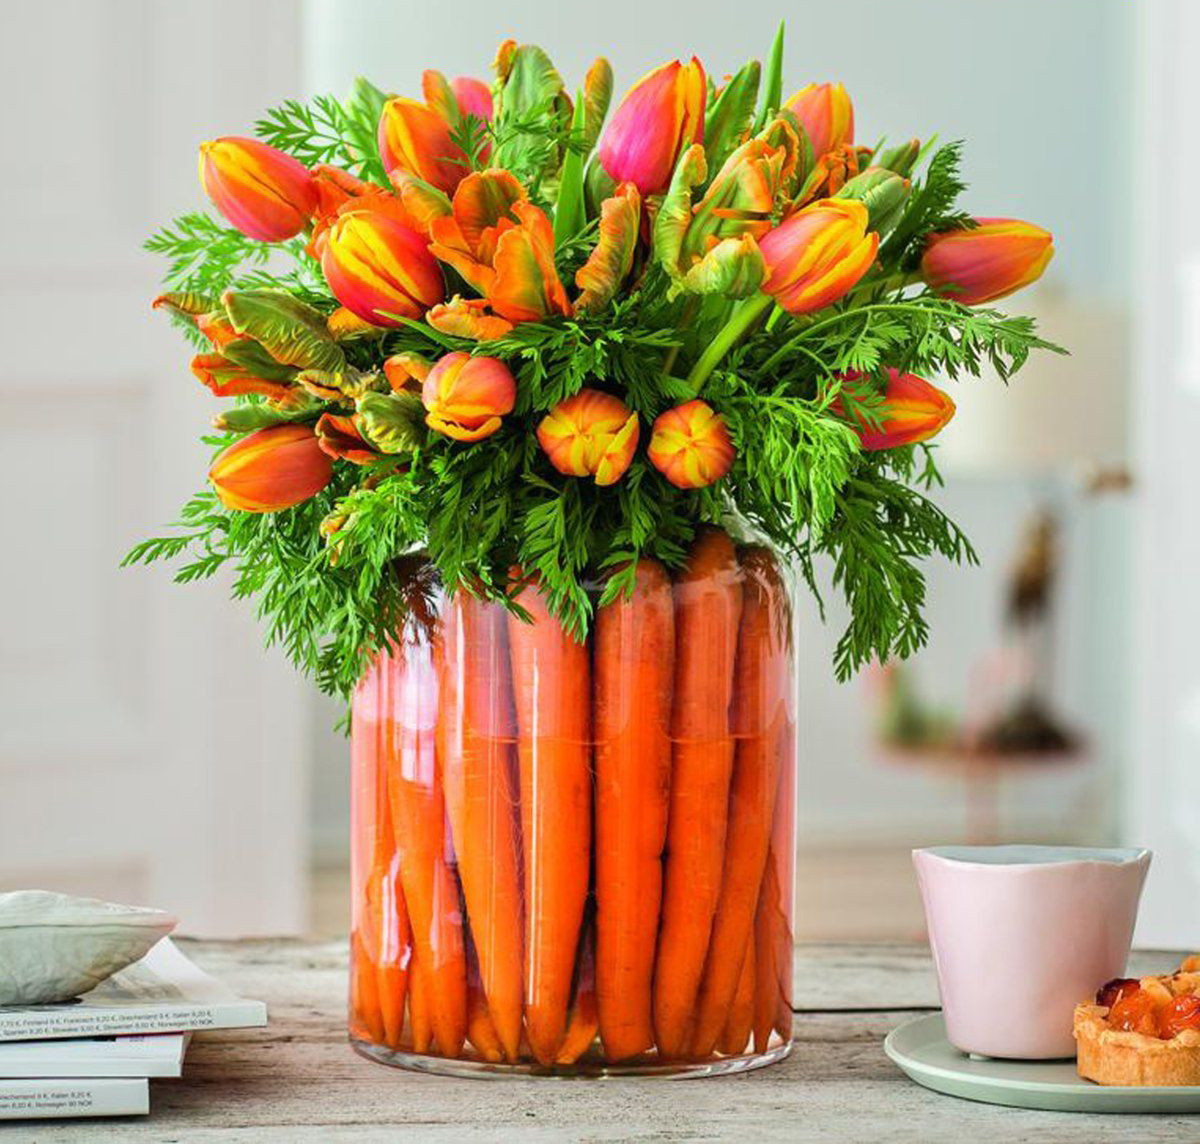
(577, 857)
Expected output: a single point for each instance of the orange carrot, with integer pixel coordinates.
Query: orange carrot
(475, 747)
(393, 949)
(735, 1037)
(552, 684)
(783, 853)
(635, 656)
(366, 1021)
(773, 920)
(757, 718)
(420, 1028)
(708, 605)
(581, 1030)
(408, 710)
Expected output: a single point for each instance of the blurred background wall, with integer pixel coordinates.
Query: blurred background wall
(151, 751)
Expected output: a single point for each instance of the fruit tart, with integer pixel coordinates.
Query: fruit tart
(1143, 1032)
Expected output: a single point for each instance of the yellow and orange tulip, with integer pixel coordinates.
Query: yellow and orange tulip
(660, 116)
(341, 438)
(503, 246)
(267, 195)
(465, 397)
(816, 255)
(415, 138)
(591, 434)
(271, 469)
(379, 269)
(913, 410)
(691, 446)
(469, 318)
(991, 260)
(826, 114)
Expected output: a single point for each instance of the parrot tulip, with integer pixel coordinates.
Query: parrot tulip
(818, 254)
(912, 411)
(992, 259)
(591, 434)
(465, 397)
(826, 114)
(227, 378)
(266, 194)
(378, 268)
(271, 469)
(503, 246)
(473, 97)
(660, 116)
(690, 445)
(415, 138)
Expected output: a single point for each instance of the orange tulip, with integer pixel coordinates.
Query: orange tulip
(993, 259)
(266, 194)
(271, 469)
(379, 268)
(691, 446)
(590, 434)
(416, 139)
(465, 397)
(226, 378)
(503, 246)
(660, 116)
(912, 411)
(339, 193)
(826, 114)
(341, 438)
(818, 254)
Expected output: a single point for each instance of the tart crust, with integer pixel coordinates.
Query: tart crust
(1116, 1057)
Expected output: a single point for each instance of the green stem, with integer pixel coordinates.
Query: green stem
(685, 319)
(739, 322)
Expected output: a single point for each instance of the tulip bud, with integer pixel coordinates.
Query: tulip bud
(993, 259)
(465, 396)
(818, 254)
(912, 410)
(660, 116)
(882, 192)
(266, 194)
(590, 434)
(416, 139)
(379, 268)
(826, 114)
(270, 470)
(901, 158)
(691, 446)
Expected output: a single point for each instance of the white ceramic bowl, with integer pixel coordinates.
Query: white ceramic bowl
(54, 947)
(1021, 934)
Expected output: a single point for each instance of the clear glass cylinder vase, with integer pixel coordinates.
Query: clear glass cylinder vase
(578, 856)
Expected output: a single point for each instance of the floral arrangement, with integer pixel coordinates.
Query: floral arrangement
(493, 326)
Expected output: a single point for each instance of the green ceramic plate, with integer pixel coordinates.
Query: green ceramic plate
(920, 1048)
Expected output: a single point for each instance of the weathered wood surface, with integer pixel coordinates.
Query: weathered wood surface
(298, 1081)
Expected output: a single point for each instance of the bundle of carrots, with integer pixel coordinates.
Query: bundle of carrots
(557, 841)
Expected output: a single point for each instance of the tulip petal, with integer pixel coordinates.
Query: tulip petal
(612, 257)
(228, 379)
(341, 438)
(401, 370)
(439, 96)
(389, 421)
(469, 318)
(527, 286)
(597, 94)
(422, 201)
(675, 212)
(734, 268)
(292, 332)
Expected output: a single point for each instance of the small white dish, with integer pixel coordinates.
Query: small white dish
(53, 947)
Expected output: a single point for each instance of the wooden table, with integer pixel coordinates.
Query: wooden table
(298, 1080)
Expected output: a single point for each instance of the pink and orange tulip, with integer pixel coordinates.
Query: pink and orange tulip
(691, 446)
(379, 269)
(465, 397)
(591, 434)
(989, 261)
(816, 255)
(826, 114)
(415, 138)
(912, 411)
(271, 469)
(503, 246)
(660, 116)
(267, 195)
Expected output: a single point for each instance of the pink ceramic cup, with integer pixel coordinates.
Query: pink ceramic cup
(1020, 934)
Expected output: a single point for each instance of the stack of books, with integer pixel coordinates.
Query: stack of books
(94, 1056)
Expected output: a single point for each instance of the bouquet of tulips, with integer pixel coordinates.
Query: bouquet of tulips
(501, 325)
